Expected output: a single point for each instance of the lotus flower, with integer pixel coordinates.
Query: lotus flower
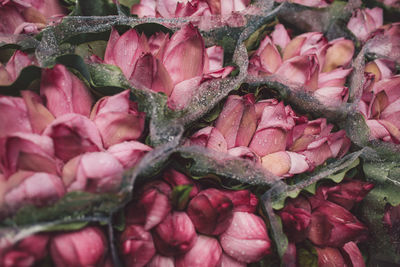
(175, 234)
(26, 252)
(205, 252)
(10, 72)
(129, 153)
(137, 246)
(296, 218)
(246, 239)
(175, 178)
(28, 16)
(173, 65)
(192, 8)
(345, 194)
(283, 142)
(85, 247)
(380, 109)
(13, 109)
(58, 85)
(83, 173)
(161, 261)
(242, 200)
(349, 255)
(118, 119)
(307, 61)
(340, 226)
(35, 188)
(210, 211)
(365, 21)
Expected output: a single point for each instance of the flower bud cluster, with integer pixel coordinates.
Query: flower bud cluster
(208, 227)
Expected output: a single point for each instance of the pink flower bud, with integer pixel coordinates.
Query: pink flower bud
(339, 54)
(242, 200)
(152, 207)
(118, 119)
(271, 132)
(175, 235)
(228, 261)
(205, 252)
(237, 121)
(58, 85)
(30, 152)
(353, 254)
(266, 59)
(210, 211)
(175, 178)
(305, 44)
(15, 64)
(244, 153)
(365, 21)
(336, 77)
(280, 36)
(129, 153)
(161, 261)
(328, 256)
(296, 218)
(38, 188)
(381, 69)
(26, 252)
(73, 134)
(332, 96)
(209, 137)
(93, 172)
(39, 116)
(246, 239)
(340, 226)
(185, 54)
(285, 163)
(13, 109)
(345, 194)
(137, 246)
(85, 247)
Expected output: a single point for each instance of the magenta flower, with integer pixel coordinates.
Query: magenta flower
(26, 252)
(175, 178)
(85, 247)
(175, 65)
(210, 211)
(246, 239)
(137, 246)
(348, 255)
(175, 235)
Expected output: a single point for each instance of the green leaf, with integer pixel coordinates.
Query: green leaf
(180, 196)
(129, 3)
(338, 177)
(25, 80)
(307, 255)
(67, 226)
(94, 8)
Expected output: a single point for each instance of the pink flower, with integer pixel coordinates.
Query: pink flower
(13, 109)
(118, 119)
(228, 261)
(345, 194)
(205, 252)
(192, 8)
(129, 153)
(296, 218)
(348, 255)
(161, 261)
(175, 235)
(38, 188)
(73, 134)
(210, 211)
(58, 85)
(175, 178)
(242, 200)
(137, 246)
(39, 116)
(30, 152)
(209, 137)
(175, 66)
(365, 21)
(153, 205)
(26, 252)
(340, 226)
(85, 247)
(380, 107)
(28, 16)
(93, 172)
(10, 72)
(246, 239)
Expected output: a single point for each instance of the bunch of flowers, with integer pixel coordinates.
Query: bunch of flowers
(210, 227)
(270, 133)
(48, 148)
